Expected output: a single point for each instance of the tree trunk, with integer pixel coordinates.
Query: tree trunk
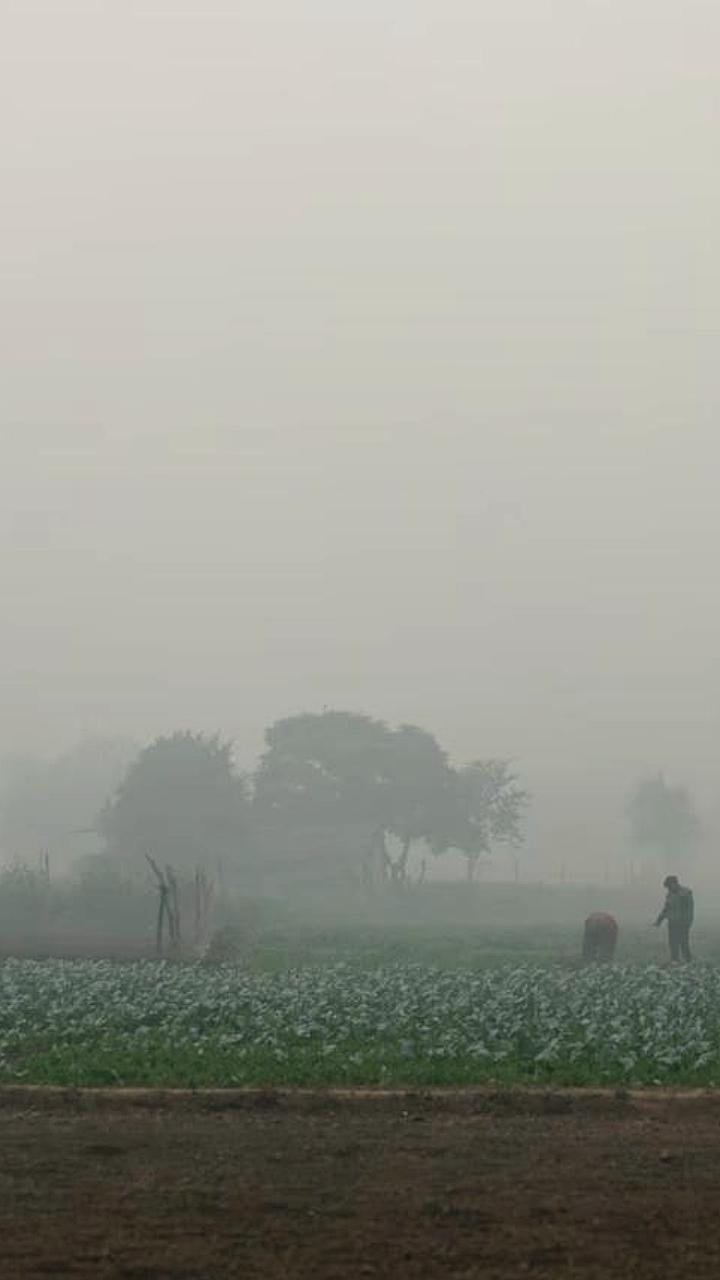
(396, 871)
(374, 861)
(401, 864)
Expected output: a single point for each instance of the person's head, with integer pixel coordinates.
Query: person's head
(671, 883)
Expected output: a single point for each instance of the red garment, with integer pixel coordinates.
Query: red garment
(600, 937)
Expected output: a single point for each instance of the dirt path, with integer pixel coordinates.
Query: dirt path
(460, 1184)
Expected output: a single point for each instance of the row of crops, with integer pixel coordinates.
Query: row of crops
(82, 1022)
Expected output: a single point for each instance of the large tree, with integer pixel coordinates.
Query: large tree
(418, 779)
(663, 818)
(380, 790)
(345, 772)
(182, 802)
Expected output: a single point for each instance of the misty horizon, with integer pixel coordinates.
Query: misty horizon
(364, 360)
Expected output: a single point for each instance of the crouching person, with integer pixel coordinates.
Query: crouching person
(600, 937)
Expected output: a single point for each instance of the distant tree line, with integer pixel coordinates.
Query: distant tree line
(335, 796)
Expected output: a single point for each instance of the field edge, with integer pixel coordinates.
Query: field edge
(510, 1099)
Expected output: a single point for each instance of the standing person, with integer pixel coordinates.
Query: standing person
(679, 910)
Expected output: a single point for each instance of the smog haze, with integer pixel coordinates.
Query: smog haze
(364, 356)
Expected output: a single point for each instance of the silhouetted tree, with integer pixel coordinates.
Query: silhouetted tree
(344, 771)
(182, 802)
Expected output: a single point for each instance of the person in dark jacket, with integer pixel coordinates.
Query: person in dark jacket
(679, 911)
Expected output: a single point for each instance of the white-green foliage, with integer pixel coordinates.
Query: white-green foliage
(611, 1023)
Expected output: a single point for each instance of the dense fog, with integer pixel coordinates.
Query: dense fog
(363, 358)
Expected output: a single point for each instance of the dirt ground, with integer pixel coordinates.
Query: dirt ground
(145, 1186)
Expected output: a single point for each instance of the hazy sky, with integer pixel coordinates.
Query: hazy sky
(363, 355)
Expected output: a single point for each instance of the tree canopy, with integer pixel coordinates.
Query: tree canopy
(181, 801)
(343, 770)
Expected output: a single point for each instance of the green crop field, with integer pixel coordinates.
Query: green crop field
(99, 1023)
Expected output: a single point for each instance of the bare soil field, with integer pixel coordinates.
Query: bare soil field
(144, 1186)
